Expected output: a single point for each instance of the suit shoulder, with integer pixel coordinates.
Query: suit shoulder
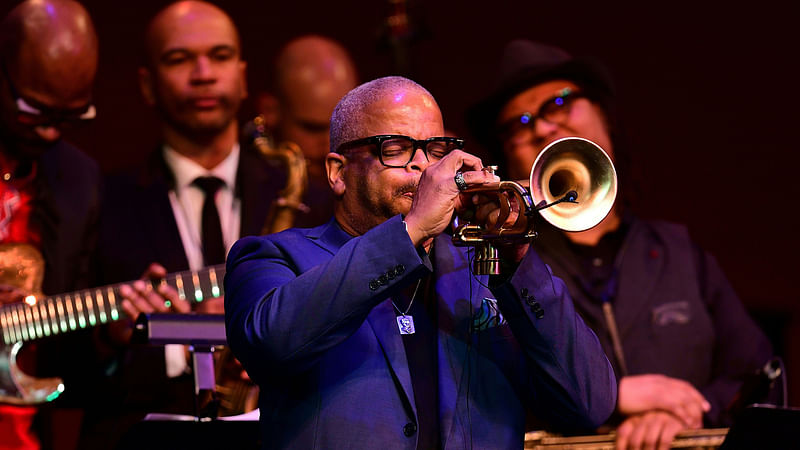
(63, 155)
(71, 174)
(64, 150)
(285, 239)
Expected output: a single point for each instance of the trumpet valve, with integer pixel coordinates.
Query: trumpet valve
(487, 260)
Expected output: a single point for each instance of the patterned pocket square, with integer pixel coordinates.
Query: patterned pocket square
(488, 316)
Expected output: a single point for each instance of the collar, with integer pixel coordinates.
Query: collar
(185, 170)
(330, 236)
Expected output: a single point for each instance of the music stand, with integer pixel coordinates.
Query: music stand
(764, 426)
(201, 332)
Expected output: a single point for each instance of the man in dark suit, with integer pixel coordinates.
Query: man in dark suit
(49, 190)
(196, 195)
(371, 332)
(679, 338)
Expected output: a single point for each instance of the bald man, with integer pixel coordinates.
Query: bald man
(371, 332)
(49, 189)
(312, 73)
(158, 218)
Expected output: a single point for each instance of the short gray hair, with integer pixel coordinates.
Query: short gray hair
(350, 111)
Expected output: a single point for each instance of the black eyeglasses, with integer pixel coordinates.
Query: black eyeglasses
(30, 115)
(396, 150)
(554, 110)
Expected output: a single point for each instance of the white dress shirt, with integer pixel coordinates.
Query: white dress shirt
(187, 201)
(187, 206)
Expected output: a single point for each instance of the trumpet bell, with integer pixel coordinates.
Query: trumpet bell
(574, 164)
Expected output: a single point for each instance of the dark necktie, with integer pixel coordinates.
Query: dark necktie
(211, 231)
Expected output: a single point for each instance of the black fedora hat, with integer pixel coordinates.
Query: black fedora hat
(527, 63)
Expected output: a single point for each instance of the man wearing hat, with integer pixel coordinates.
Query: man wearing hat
(679, 339)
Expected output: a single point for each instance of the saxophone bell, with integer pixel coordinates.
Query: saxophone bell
(289, 202)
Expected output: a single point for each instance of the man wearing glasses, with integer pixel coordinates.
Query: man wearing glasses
(49, 189)
(679, 338)
(363, 332)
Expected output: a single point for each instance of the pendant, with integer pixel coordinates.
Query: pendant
(405, 324)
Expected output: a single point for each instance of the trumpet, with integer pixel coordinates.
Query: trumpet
(572, 185)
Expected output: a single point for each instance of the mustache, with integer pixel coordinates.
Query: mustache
(410, 187)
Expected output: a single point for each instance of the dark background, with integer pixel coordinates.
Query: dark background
(707, 93)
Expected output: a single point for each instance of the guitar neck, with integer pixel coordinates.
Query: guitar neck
(90, 307)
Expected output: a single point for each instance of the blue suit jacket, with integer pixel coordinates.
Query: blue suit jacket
(308, 314)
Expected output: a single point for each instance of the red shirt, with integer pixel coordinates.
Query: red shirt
(16, 198)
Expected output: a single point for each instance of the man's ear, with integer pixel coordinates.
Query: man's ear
(146, 86)
(335, 165)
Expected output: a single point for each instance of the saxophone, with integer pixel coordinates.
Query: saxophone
(238, 394)
(289, 202)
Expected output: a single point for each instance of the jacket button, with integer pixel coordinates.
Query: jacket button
(538, 311)
(399, 269)
(383, 279)
(523, 292)
(531, 301)
(409, 429)
(373, 285)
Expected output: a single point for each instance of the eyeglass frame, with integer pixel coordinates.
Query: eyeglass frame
(377, 142)
(528, 120)
(51, 116)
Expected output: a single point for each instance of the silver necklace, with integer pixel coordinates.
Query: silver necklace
(405, 322)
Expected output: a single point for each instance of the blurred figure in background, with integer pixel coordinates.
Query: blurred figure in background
(678, 336)
(312, 73)
(49, 189)
(195, 196)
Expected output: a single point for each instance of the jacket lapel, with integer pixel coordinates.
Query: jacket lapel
(329, 236)
(381, 319)
(456, 302)
(154, 201)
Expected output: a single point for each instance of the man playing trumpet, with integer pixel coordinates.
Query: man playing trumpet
(368, 331)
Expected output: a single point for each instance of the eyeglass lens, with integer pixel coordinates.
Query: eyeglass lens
(399, 151)
(555, 110)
